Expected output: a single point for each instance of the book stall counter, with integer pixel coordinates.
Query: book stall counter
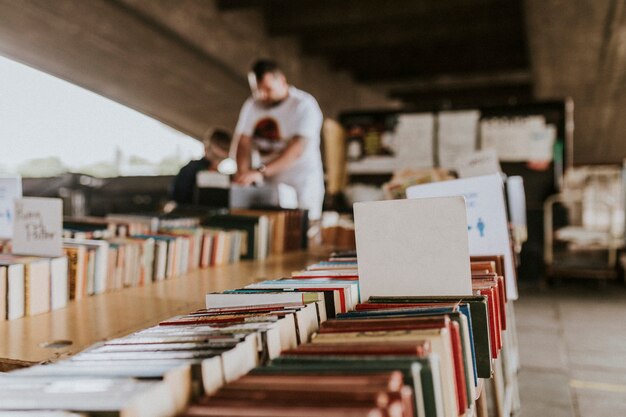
(64, 332)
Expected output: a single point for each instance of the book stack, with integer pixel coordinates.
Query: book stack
(366, 394)
(441, 347)
(441, 321)
(183, 357)
(260, 348)
(31, 285)
(43, 396)
(269, 231)
(412, 327)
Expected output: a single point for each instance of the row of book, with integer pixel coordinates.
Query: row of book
(157, 371)
(442, 346)
(270, 230)
(31, 285)
(120, 251)
(307, 345)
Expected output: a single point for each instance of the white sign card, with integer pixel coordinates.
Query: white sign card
(38, 226)
(457, 135)
(413, 140)
(413, 247)
(518, 139)
(487, 224)
(10, 189)
(478, 163)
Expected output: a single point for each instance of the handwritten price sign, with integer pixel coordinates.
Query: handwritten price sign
(37, 226)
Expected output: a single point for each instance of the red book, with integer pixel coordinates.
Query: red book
(384, 324)
(421, 348)
(401, 306)
(459, 367)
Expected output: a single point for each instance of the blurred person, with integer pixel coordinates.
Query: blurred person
(282, 125)
(216, 143)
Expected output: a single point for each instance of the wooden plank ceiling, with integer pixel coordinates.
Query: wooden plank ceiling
(441, 53)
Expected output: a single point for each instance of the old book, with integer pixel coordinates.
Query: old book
(97, 258)
(422, 373)
(36, 282)
(458, 312)
(59, 282)
(76, 258)
(118, 397)
(3, 293)
(441, 343)
(349, 289)
(421, 348)
(14, 289)
(177, 375)
(218, 300)
(41, 413)
(480, 319)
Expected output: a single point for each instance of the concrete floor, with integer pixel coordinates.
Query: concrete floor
(572, 342)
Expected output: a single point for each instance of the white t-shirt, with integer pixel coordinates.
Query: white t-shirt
(271, 129)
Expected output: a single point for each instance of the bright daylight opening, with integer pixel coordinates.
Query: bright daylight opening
(49, 126)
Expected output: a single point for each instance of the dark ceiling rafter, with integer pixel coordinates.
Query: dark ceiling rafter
(396, 42)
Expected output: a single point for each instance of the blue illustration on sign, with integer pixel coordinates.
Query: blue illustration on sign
(481, 227)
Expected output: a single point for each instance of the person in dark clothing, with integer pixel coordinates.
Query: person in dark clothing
(216, 147)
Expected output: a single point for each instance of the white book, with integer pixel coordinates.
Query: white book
(240, 360)
(219, 300)
(122, 397)
(160, 263)
(335, 273)
(3, 294)
(59, 283)
(40, 413)
(176, 374)
(37, 285)
(15, 289)
(101, 261)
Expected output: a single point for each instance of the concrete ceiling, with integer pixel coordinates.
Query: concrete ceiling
(184, 62)
(426, 53)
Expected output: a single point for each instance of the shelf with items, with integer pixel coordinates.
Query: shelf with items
(104, 316)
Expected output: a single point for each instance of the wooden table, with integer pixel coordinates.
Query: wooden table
(105, 316)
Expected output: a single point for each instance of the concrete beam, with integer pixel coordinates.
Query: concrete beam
(103, 47)
(578, 50)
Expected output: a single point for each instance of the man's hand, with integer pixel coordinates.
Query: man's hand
(249, 178)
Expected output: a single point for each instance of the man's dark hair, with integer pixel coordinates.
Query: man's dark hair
(265, 66)
(219, 137)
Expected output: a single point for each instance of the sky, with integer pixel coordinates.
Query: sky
(43, 116)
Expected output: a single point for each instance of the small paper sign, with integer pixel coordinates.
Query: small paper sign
(484, 162)
(37, 226)
(10, 189)
(487, 224)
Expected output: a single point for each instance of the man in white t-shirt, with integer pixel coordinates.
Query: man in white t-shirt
(283, 124)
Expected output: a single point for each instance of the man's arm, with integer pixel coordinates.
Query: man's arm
(244, 149)
(284, 160)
